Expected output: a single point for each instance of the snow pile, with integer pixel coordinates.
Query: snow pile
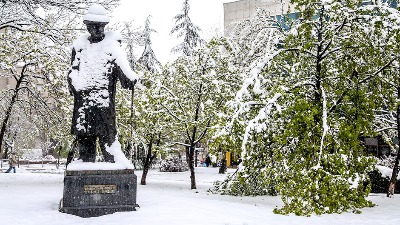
(32, 199)
(121, 162)
(80, 165)
(386, 172)
(119, 157)
(173, 165)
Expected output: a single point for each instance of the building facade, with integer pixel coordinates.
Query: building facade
(238, 11)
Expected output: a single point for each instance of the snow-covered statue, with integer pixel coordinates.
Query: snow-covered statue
(98, 62)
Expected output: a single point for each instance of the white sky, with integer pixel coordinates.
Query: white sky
(207, 14)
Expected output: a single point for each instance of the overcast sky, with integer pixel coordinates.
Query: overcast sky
(207, 14)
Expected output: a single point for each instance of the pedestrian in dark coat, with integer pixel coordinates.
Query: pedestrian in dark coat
(12, 162)
(208, 161)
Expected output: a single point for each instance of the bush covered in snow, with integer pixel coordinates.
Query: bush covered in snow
(174, 164)
(49, 158)
(387, 161)
(380, 179)
(237, 184)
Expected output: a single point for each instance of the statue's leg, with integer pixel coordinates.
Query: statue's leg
(87, 148)
(106, 140)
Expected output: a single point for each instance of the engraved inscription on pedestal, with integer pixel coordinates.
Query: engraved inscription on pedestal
(100, 189)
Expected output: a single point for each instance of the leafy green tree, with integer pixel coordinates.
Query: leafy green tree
(254, 42)
(328, 110)
(385, 36)
(193, 91)
(305, 107)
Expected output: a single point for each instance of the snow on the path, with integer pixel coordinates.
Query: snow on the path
(32, 199)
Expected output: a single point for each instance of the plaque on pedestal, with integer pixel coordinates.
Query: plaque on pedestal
(91, 193)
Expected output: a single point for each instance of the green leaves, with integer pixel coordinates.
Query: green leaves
(308, 147)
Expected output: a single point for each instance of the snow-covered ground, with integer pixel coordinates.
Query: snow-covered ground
(32, 198)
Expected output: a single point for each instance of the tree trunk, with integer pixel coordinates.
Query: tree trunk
(187, 150)
(395, 172)
(144, 175)
(147, 163)
(192, 140)
(8, 112)
(191, 167)
(5, 123)
(222, 168)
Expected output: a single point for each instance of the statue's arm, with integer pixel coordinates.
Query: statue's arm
(126, 82)
(70, 86)
(125, 74)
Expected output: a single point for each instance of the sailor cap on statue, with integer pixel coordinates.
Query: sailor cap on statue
(96, 13)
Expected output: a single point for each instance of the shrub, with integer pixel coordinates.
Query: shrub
(174, 164)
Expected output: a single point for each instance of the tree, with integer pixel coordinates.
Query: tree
(33, 66)
(193, 91)
(306, 105)
(253, 42)
(186, 29)
(152, 122)
(385, 36)
(148, 58)
(152, 119)
(132, 38)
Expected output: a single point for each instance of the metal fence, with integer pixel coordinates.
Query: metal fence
(28, 162)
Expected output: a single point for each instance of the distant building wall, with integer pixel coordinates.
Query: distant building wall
(238, 11)
(6, 82)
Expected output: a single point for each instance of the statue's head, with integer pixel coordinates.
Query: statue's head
(96, 19)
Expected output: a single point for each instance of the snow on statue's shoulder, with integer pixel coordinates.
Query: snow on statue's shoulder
(80, 42)
(110, 38)
(119, 54)
(113, 36)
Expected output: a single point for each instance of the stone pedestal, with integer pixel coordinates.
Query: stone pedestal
(91, 193)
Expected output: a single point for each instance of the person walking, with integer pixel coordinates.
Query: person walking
(12, 161)
(208, 161)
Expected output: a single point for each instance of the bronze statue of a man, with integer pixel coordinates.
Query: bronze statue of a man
(98, 61)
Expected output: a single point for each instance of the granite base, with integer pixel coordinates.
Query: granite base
(91, 193)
